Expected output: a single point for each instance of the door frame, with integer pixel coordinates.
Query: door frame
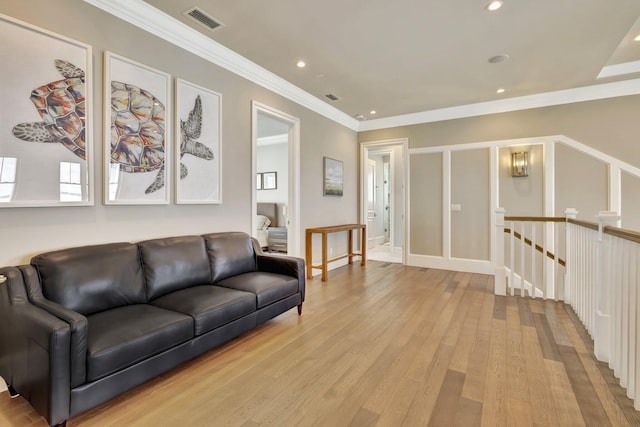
(293, 204)
(365, 147)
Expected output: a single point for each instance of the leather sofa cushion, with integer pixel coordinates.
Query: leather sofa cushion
(267, 287)
(174, 263)
(230, 254)
(210, 306)
(122, 336)
(90, 279)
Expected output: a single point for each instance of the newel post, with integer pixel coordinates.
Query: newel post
(500, 275)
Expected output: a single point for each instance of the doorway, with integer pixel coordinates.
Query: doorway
(275, 180)
(383, 199)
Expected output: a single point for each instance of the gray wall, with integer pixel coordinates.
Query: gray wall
(27, 231)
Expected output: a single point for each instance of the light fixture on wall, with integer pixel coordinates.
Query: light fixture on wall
(520, 163)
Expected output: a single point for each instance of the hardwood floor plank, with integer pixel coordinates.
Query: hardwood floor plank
(494, 403)
(385, 345)
(590, 406)
(444, 413)
(547, 342)
(524, 309)
(540, 395)
(478, 361)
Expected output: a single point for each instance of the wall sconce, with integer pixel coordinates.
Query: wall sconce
(520, 164)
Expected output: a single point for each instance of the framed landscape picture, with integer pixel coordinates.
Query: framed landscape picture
(45, 122)
(333, 177)
(198, 133)
(137, 150)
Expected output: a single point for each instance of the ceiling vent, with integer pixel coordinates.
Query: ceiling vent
(202, 18)
(332, 97)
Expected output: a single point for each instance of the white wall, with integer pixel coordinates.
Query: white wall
(25, 232)
(274, 158)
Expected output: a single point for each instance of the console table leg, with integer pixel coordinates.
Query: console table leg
(324, 257)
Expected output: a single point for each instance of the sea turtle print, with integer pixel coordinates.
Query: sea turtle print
(61, 105)
(190, 130)
(137, 131)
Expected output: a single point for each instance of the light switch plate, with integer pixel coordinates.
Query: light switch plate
(455, 207)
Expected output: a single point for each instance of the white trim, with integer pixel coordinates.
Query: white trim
(446, 204)
(293, 205)
(273, 140)
(567, 96)
(453, 264)
(549, 177)
(620, 69)
(615, 191)
(156, 22)
(494, 194)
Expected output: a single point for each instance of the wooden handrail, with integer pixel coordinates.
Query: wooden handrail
(630, 235)
(536, 218)
(585, 224)
(538, 247)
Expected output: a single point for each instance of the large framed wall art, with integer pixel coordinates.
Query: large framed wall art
(137, 133)
(198, 133)
(45, 118)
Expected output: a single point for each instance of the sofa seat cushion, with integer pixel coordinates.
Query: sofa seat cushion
(210, 306)
(267, 287)
(122, 336)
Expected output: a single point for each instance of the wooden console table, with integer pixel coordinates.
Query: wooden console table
(335, 229)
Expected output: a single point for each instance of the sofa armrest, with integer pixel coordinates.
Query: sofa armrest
(287, 265)
(77, 322)
(35, 350)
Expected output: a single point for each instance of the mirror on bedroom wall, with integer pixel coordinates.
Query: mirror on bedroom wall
(272, 182)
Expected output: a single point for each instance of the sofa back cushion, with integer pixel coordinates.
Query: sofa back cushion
(174, 263)
(230, 254)
(90, 279)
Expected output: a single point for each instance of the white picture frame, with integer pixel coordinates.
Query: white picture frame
(137, 108)
(198, 134)
(46, 157)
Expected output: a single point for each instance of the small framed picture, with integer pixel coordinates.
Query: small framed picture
(333, 177)
(269, 180)
(258, 181)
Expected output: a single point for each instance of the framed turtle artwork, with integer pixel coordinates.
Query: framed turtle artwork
(136, 137)
(197, 141)
(45, 118)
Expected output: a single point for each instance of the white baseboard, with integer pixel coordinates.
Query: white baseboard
(454, 264)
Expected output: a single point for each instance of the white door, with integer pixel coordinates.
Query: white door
(371, 202)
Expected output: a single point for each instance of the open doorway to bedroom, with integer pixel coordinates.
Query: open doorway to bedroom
(382, 204)
(275, 180)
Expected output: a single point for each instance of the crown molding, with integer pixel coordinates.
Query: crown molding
(568, 96)
(158, 23)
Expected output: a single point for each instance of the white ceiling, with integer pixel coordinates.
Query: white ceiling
(406, 56)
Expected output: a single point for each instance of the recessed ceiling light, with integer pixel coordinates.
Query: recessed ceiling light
(301, 64)
(372, 112)
(494, 5)
(498, 58)
(501, 90)
(637, 38)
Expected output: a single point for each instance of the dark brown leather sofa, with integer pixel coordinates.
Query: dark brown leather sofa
(79, 326)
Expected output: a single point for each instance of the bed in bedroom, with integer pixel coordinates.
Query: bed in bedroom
(267, 215)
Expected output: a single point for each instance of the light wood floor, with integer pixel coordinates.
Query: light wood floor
(384, 345)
